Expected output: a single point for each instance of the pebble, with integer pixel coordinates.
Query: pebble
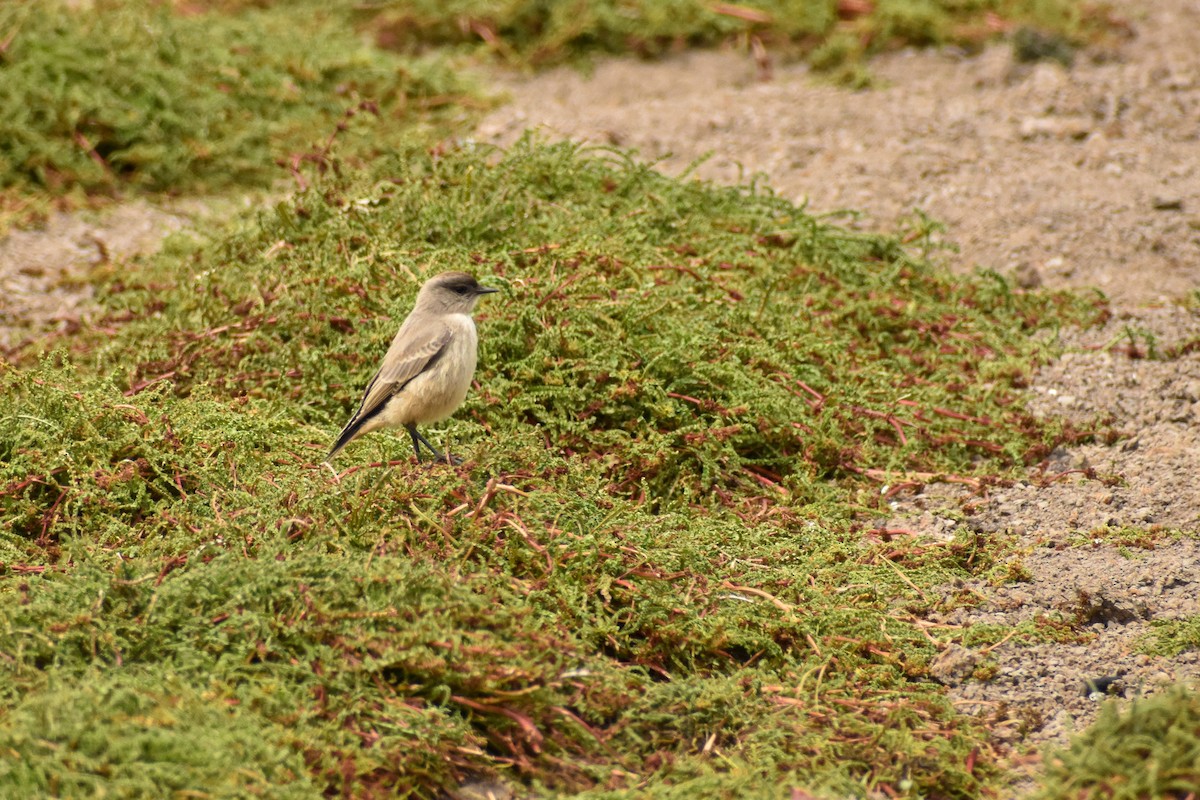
(954, 665)
(1027, 276)
(1167, 204)
(1055, 127)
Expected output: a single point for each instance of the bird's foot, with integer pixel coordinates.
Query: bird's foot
(446, 458)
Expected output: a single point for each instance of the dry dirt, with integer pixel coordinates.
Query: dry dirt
(44, 272)
(1082, 177)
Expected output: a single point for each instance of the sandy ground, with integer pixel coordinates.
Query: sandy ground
(44, 272)
(1082, 177)
(1088, 177)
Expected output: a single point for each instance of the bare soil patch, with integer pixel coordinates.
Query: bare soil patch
(43, 272)
(1087, 177)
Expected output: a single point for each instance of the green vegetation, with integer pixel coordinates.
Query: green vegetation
(537, 33)
(1149, 748)
(656, 573)
(129, 95)
(1170, 637)
(146, 737)
(1130, 541)
(651, 571)
(139, 95)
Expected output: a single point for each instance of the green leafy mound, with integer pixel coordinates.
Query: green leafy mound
(151, 737)
(539, 32)
(132, 94)
(1170, 637)
(400, 641)
(1148, 748)
(135, 94)
(651, 573)
(687, 338)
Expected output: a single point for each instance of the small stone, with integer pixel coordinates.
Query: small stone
(1160, 678)
(1027, 276)
(1055, 127)
(483, 789)
(1180, 412)
(1030, 45)
(954, 665)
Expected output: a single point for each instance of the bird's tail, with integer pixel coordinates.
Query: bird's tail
(348, 434)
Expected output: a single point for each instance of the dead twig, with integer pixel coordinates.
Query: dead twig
(782, 606)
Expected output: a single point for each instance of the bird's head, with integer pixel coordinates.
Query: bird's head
(451, 293)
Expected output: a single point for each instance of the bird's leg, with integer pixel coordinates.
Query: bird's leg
(418, 439)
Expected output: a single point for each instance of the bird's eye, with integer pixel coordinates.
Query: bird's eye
(460, 290)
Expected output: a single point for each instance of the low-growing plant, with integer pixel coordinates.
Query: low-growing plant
(651, 571)
(134, 94)
(1147, 747)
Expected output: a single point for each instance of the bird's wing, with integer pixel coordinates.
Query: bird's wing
(407, 358)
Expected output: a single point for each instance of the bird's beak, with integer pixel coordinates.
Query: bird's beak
(485, 290)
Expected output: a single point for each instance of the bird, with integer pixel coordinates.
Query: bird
(427, 370)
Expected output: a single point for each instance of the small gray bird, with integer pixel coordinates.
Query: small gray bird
(427, 370)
